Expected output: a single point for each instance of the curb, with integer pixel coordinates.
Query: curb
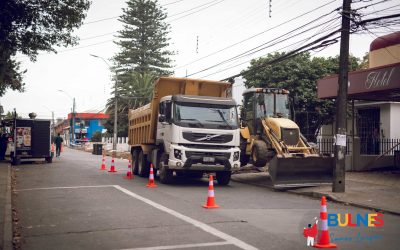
(7, 229)
(337, 200)
(318, 195)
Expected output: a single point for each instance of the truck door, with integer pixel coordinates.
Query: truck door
(164, 123)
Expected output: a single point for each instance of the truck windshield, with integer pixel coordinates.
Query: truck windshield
(265, 105)
(205, 116)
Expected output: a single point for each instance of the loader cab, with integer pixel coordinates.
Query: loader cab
(260, 103)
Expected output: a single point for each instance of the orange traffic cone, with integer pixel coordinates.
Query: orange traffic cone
(210, 199)
(112, 168)
(323, 233)
(129, 175)
(129, 163)
(151, 183)
(103, 164)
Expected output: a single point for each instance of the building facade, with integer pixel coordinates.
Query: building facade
(85, 125)
(375, 97)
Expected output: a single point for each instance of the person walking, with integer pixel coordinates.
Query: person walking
(3, 146)
(58, 141)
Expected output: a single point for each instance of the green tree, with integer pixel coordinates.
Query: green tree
(96, 137)
(144, 39)
(143, 57)
(299, 75)
(31, 26)
(135, 92)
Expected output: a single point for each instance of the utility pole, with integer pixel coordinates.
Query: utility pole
(341, 102)
(73, 121)
(115, 103)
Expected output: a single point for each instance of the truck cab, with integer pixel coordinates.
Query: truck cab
(190, 127)
(199, 134)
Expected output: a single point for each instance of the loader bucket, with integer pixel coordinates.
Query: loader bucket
(301, 171)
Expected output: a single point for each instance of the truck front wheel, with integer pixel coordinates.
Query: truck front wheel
(165, 175)
(223, 177)
(143, 165)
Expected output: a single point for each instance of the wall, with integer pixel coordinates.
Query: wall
(94, 125)
(394, 120)
(384, 56)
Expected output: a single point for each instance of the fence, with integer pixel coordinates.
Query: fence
(122, 143)
(327, 146)
(367, 146)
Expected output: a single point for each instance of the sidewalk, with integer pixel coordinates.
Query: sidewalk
(5, 207)
(378, 190)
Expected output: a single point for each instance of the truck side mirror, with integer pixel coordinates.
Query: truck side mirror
(162, 118)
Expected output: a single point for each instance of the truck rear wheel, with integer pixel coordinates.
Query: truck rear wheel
(259, 154)
(135, 168)
(165, 175)
(223, 177)
(143, 165)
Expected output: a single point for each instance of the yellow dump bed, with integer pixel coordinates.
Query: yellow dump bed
(143, 120)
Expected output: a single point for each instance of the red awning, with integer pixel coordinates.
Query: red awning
(378, 84)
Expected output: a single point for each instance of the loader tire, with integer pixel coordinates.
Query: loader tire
(143, 165)
(259, 154)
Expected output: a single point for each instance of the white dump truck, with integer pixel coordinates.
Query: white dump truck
(190, 127)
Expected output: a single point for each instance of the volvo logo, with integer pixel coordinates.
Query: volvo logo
(207, 137)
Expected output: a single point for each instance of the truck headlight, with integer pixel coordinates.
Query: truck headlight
(178, 154)
(236, 156)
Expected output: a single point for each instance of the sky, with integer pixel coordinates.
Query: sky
(212, 39)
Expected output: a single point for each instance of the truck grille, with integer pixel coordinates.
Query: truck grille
(210, 154)
(207, 138)
(290, 136)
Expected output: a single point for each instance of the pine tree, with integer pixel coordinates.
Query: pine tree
(142, 58)
(144, 39)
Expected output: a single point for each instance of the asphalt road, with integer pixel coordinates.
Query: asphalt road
(72, 204)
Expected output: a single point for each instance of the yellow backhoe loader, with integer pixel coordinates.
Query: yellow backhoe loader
(269, 136)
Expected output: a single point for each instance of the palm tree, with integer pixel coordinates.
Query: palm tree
(135, 91)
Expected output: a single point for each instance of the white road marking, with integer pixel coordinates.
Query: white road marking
(52, 188)
(181, 246)
(229, 239)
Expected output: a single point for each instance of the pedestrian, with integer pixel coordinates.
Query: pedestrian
(58, 141)
(3, 146)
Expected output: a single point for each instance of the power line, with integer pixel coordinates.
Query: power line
(194, 12)
(258, 34)
(260, 47)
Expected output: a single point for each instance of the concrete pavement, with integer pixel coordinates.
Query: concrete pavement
(372, 190)
(377, 190)
(5, 207)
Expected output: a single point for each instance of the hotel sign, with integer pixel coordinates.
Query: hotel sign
(363, 83)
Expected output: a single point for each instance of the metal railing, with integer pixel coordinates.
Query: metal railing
(326, 146)
(387, 146)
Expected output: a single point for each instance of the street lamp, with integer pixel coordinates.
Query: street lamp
(73, 115)
(115, 101)
(52, 119)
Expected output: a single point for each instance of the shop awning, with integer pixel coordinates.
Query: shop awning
(375, 84)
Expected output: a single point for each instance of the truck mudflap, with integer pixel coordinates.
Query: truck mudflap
(301, 171)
